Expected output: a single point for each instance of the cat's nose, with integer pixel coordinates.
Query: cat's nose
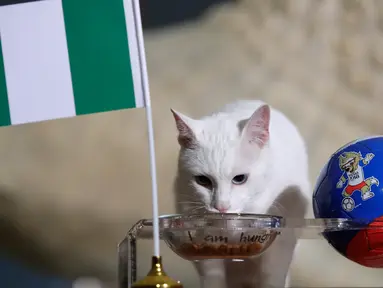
(222, 208)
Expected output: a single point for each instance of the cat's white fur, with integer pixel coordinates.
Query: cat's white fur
(252, 138)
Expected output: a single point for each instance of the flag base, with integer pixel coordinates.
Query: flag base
(157, 278)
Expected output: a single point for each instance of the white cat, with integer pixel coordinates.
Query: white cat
(245, 158)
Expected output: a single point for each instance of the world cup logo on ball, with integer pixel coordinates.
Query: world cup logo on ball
(349, 187)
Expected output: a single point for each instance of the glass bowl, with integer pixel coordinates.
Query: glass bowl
(220, 236)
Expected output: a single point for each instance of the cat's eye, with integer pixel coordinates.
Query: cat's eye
(239, 179)
(203, 181)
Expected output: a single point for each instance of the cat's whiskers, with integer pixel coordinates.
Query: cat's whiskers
(189, 199)
(278, 207)
(194, 209)
(193, 196)
(190, 202)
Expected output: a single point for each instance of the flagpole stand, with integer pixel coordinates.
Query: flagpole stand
(157, 278)
(127, 261)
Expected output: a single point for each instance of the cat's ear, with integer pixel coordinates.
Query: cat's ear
(256, 130)
(186, 136)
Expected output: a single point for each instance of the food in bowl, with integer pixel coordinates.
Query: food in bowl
(218, 251)
(221, 236)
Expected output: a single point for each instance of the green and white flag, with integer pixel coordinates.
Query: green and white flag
(64, 58)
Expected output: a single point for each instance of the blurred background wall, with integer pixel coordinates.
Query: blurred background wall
(70, 189)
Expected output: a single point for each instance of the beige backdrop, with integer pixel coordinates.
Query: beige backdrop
(74, 187)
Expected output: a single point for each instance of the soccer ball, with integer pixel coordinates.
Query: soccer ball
(348, 204)
(350, 185)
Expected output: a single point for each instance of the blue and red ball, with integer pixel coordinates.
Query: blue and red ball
(351, 186)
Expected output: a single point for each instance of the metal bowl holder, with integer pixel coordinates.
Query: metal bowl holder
(303, 229)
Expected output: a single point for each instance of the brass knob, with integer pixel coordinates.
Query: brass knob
(157, 277)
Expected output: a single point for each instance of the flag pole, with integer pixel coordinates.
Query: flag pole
(149, 120)
(156, 276)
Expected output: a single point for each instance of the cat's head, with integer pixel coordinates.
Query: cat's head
(223, 159)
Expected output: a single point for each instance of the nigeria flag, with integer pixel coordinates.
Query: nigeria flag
(63, 58)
